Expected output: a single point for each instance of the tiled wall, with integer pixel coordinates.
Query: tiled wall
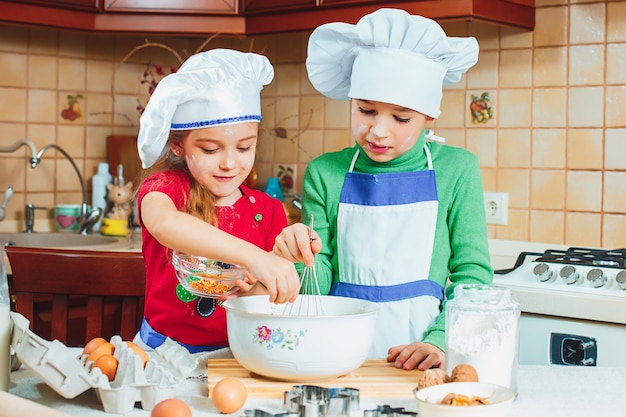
(556, 142)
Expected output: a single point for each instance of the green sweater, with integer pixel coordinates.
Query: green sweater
(460, 253)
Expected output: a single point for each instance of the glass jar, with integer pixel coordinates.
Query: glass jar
(482, 330)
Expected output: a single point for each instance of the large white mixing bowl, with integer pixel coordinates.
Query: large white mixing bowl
(300, 348)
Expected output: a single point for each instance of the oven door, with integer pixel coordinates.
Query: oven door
(551, 340)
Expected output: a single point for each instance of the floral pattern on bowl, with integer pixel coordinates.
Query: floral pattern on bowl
(271, 338)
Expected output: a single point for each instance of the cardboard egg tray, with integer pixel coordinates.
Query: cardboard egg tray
(70, 374)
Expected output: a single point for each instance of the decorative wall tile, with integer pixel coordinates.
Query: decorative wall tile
(550, 66)
(586, 65)
(615, 63)
(287, 79)
(14, 66)
(550, 26)
(514, 108)
(613, 226)
(614, 111)
(584, 191)
(587, 22)
(548, 148)
(42, 106)
(614, 197)
(549, 107)
(584, 149)
(615, 144)
(480, 108)
(547, 226)
(72, 74)
(548, 189)
(517, 183)
(583, 229)
(484, 74)
(13, 104)
(484, 144)
(514, 148)
(585, 107)
(616, 18)
(515, 68)
(453, 102)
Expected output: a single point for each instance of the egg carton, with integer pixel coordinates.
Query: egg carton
(70, 374)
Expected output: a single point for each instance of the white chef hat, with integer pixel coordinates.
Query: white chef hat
(216, 87)
(388, 56)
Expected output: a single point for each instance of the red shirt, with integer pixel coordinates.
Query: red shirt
(255, 217)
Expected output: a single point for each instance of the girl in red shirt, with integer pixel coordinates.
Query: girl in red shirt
(198, 135)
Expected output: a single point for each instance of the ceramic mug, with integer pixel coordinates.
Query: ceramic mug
(66, 217)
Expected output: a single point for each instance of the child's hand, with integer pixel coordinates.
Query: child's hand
(294, 244)
(417, 355)
(277, 275)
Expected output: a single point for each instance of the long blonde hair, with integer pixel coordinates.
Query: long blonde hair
(199, 203)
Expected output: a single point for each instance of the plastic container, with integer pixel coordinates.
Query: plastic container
(5, 329)
(273, 189)
(482, 330)
(99, 184)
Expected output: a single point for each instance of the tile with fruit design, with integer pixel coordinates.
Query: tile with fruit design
(481, 108)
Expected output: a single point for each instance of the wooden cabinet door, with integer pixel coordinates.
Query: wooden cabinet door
(276, 5)
(169, 6)
(88, 5)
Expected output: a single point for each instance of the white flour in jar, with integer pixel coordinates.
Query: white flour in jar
(488, 341)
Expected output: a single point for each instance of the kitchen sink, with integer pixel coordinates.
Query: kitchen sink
(63, 240)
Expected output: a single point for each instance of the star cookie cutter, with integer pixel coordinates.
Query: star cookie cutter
(316, 401)
(388, 411)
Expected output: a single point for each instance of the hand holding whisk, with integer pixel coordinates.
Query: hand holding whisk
(309, 302)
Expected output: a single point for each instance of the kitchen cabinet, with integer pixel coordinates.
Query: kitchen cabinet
(168, 6)
(516, 13)
(245, 17)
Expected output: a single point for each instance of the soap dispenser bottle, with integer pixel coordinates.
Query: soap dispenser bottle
(99, 189)
(5, 328)
(273, 189)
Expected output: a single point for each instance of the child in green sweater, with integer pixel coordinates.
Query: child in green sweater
(399, 219)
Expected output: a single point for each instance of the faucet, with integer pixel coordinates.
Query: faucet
(7, 196)
(88, 217)
(20, 143)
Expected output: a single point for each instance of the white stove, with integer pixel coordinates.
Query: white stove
(573, 303)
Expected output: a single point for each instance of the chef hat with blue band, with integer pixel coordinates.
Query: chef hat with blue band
(212, 88)
(388, 56)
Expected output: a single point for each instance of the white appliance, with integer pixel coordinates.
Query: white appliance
(573, 303)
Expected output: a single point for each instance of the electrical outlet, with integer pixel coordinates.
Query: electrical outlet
(497, 208)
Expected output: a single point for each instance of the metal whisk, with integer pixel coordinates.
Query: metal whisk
(309, 302)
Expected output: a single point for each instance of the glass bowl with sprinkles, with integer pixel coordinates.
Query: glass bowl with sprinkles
(206, 277)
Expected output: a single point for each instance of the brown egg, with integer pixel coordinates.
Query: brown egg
(105, 348)
(92, 344)
(171, 407)
(108, 365)
(139, 352)
(229, 395)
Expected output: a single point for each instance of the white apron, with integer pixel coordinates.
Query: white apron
(385, 233)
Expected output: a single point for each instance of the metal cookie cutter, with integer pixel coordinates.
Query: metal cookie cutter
(315, 401)
(387, 411)
(260, 413)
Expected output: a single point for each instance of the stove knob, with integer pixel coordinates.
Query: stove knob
(621, 278)
(542, 272)
(596, 277)
(569, 274)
